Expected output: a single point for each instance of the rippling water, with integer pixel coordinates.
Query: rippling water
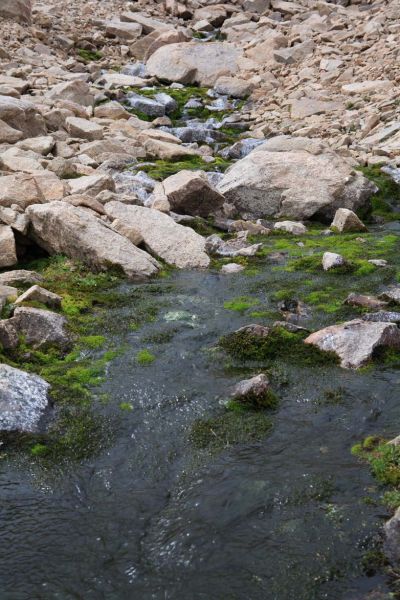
(151, 517)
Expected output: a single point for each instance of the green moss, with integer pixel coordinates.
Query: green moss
(279, 343)
(229, 429)
(332, 397)
(93, 341)
(160, 169)
(241, 304)
(89, 55)
(145, 357)
(383, 458)
(39, 449)
(373, 561)
(127, 406)
(388, 197)
(392, 499)
(254, 402)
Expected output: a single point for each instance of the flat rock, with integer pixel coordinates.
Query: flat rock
(194, 62)
(20, 277)
(366, 87)
(76, 91)
(37, 293)
(291, 227)
(272, 179)
(61, 228)
(174, 243)
(384, 316)
(355, 342)
(231, 268)
(91, 184)
(23, 399)
(82, 128)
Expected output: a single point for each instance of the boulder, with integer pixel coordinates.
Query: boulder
(84, 129)
(126, 32)
(364, 301)
(194, 62)
(17, 10)
(111, 110)
(346, 220)
(189, 193)
(17, 220)
(175, 244)
(23, 400)
(331, 260)
(91, 184)
(20, 277)
(367, 87)
(355, 342)
(391, 294)
(167, 150)
(148, 106)
(38, 294)
(25, 189)
(291, 227)
(61, 228)
(233, 86)
(76, 91)
(8, 253)
(22, 116)
(43, 144)
(9, 135)
(15, 159)
(41, 328)
(299, 178)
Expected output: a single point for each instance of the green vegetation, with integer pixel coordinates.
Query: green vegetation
(89, 55)
(383, 458)
(241, 304)
(253, 402)
(279, 343)
(387, 199)
(127, 406)
(160, 169)
(145, 357)
(229, 429)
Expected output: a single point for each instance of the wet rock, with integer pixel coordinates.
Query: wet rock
(8, 253)
(355, 342)
(391, 294)
(41, 328)
(189, 192)
(37, 293)
(255, 329)
(234, 247)
(271, 180)
(23, 399)
(176, 244)
(291, 227)
(383, 316)
(354, 299)
(346, 220)
(392, 535)
(331, 260)
(20, 277)
(194, 62)
(60, 228)
(231, 268)
(254, 392)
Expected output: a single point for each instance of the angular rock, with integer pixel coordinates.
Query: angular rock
(82, 128)
(189, 193)
(234, 247)
(194, 62)
(331, 260)
(41, 145)
(76, 91)
(367, 87)
(148, 106)
(17, 10)
(9, 135)
(22, 116)
(346, 220)
(391, 294)
(167, 150)
(254, 392)
(20, 277)
(15, 159)
(131, 233)
(8, 253)
(91, 184)
(24, 189)
(355, 342)
(128, 32)
(42, 328)
(38, 294)
(176, 244)
(233, 86)
(60, 228)
(383, 316)
(111, 110)
(271, 181)
(23, 400)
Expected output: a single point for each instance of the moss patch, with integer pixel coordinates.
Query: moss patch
(387, 199)
(145, 357)
(160, 169)
(241, 304)
(89, 55)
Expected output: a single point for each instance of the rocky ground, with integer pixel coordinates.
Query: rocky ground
(132, 134)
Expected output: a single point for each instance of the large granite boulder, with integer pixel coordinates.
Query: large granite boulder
(59, 227)
(298, 178)
(24, 189)
(177, 245)
(23, 399)
(194, 62)
(22, 116)
(355, 342)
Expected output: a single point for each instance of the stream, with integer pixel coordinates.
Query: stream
(290, 515)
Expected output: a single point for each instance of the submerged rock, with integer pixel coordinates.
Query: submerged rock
(23, 399)
(235, 247)
(298, 178)
(355, 342)
(254, 392)
(59, 227)
(176, 244)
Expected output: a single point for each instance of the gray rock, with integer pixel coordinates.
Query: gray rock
(148, 106)
(39, 294)
(41, 328)
(364, 301)
(8, 253)
(61, 228)
(76, 91)
(23, 400)
(235, 247)
(383, 316)
(292, 227)
(231, 268)
(271, 180)
(355, 342)
(20, 277)
(174, 243)
(392, 541)
(391, 294)
(331, 260)
(254, 392)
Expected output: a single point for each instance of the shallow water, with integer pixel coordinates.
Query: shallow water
(152, 517)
